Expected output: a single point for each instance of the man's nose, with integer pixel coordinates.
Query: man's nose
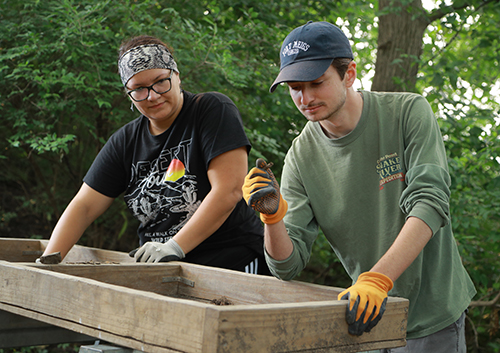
(306, 96)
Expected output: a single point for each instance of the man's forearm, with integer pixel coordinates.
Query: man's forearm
(277, 242)
(412, 238)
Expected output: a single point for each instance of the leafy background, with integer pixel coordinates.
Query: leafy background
(61, 98)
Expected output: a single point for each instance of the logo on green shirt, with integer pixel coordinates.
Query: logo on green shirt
(389, 169)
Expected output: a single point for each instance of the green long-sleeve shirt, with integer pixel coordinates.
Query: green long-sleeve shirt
(361, 188)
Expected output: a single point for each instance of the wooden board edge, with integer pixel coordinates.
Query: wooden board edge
(312, 326)
(27, 282)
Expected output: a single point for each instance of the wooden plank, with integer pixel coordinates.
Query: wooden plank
(317, 326)
(20, 250)
(18, 331)
(83, 253)
(85, 303)
(28, 250)
(209, 284)
(137, 319)
(140, 276)
(251, 289)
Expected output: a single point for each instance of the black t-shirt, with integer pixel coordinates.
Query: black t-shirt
(164, 177)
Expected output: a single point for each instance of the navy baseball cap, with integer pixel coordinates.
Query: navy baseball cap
(308, 51)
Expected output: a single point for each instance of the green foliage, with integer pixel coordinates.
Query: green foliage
(61, 98)
(461, 82)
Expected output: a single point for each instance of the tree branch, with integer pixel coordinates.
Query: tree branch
(486, 303)
(443, 11)
(439, 13)
(474, 330)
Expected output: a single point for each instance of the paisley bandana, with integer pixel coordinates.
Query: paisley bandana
(145, 57)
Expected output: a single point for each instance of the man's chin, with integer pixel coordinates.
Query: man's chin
(314, 117)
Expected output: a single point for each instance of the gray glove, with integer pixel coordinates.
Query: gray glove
(159, 252)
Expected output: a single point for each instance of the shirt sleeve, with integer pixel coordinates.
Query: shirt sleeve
(108, 174)
(428, 181)
(221, 127)
(304, 229)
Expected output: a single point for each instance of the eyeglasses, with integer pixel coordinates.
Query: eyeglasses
(160, 87)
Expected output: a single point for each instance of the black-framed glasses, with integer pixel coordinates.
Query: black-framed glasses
(160, 87)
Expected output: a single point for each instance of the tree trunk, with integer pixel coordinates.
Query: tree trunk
(401, 30)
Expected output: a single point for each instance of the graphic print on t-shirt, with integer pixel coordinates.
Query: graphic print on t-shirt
(389, 169)
(163, 189)
(175, 170)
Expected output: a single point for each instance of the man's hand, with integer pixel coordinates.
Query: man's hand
(262, 193)
(158, 252)
(367, 299)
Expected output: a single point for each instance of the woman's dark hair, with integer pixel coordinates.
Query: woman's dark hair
(341, 65)
(138, 41)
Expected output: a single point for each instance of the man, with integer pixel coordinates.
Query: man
(370, 169)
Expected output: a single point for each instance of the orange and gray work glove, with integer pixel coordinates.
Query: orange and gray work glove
(158, 252)
(367, 299)
(261, 191)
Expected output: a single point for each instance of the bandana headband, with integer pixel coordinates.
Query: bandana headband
(145, 57)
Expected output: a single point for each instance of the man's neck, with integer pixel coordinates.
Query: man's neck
(347, 120)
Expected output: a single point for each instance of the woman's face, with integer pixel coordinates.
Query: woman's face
(160, 108)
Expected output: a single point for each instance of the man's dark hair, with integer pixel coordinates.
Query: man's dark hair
(341, 65)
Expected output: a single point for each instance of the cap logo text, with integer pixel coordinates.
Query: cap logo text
(293, 48)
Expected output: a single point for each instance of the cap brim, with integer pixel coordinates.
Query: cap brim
(302, 71)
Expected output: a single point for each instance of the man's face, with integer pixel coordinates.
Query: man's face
(320, 99)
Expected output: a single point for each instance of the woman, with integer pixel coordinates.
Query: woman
(180, 166)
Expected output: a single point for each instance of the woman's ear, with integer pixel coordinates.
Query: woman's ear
(180, 82)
